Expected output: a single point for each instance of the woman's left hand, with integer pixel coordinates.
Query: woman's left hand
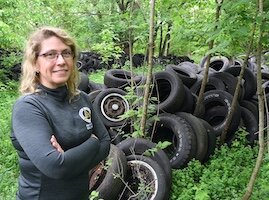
(55, 144)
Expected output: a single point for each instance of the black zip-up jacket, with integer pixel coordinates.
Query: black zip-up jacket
(45, 173)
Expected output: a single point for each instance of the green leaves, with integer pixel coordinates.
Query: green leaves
(225, 176)
(107, 47)
(94, 195)
(159, 145)
(104, 27)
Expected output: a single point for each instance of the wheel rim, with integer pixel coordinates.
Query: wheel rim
(79, 65)
(96, 176)
(114, 105)
(142, 173)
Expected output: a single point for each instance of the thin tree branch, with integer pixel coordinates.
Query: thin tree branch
(149, 75)
(259, 160)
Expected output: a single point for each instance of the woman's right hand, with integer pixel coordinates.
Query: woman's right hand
(94, 136)
(55, 144)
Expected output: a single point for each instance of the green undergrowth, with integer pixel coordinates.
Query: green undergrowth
(224, 177)
(8, 156)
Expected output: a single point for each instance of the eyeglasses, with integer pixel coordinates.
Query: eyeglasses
(53, 55)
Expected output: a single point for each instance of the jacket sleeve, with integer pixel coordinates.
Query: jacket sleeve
(101, 132)
(33, 132)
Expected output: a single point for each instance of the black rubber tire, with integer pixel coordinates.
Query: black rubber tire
(190, 66)
(201, 73)
(110, 104)
(250, 83)
(114, 175)
(217, 104)
(213, 83)
(251, 125)
(169, 89)
(95, 86)
(265, 85)
(265, 75)
(92, 95)
(119, 78)
(176, 130)
(238, 62)
(228, 79)
(212, 140)
(219, 115)
(138, 146)
(187, 76)
(144, 170)
(218, 63)
(188, 104)
(230, 83)
(200, 134)
(115, 136)
(83, 82)
(201, 111)
(253, 107)
(79, 65)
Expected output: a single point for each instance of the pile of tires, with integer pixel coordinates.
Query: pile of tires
(132, 174)
(176, 89)
(90, 61)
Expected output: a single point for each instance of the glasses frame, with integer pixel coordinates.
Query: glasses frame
(66, 54)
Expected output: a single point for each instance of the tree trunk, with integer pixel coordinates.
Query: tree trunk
(161, 39)
(261, 110)
(167, 38)
(237, 89)
(123, 5)
(149, 74)
(205, 78)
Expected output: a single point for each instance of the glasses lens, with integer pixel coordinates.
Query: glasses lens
(67, 54)
(51, 55)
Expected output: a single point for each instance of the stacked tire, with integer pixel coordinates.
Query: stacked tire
(132, 174)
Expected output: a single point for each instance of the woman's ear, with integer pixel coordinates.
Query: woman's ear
(37, 71)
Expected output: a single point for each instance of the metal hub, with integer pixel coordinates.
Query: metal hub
(114, 105)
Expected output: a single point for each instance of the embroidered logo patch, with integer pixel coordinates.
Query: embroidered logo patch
(86, 114)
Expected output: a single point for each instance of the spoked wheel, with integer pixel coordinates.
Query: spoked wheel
(110, 105)
(145, 179)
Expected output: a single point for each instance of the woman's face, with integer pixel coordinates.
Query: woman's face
(54, 63)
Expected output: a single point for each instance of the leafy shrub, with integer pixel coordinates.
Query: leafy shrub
(225, 176)
(262, 188)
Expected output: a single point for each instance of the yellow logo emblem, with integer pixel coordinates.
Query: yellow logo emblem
(86, 114)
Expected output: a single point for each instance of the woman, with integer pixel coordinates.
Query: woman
(55, 130)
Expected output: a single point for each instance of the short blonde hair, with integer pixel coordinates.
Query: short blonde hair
(29, 79)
